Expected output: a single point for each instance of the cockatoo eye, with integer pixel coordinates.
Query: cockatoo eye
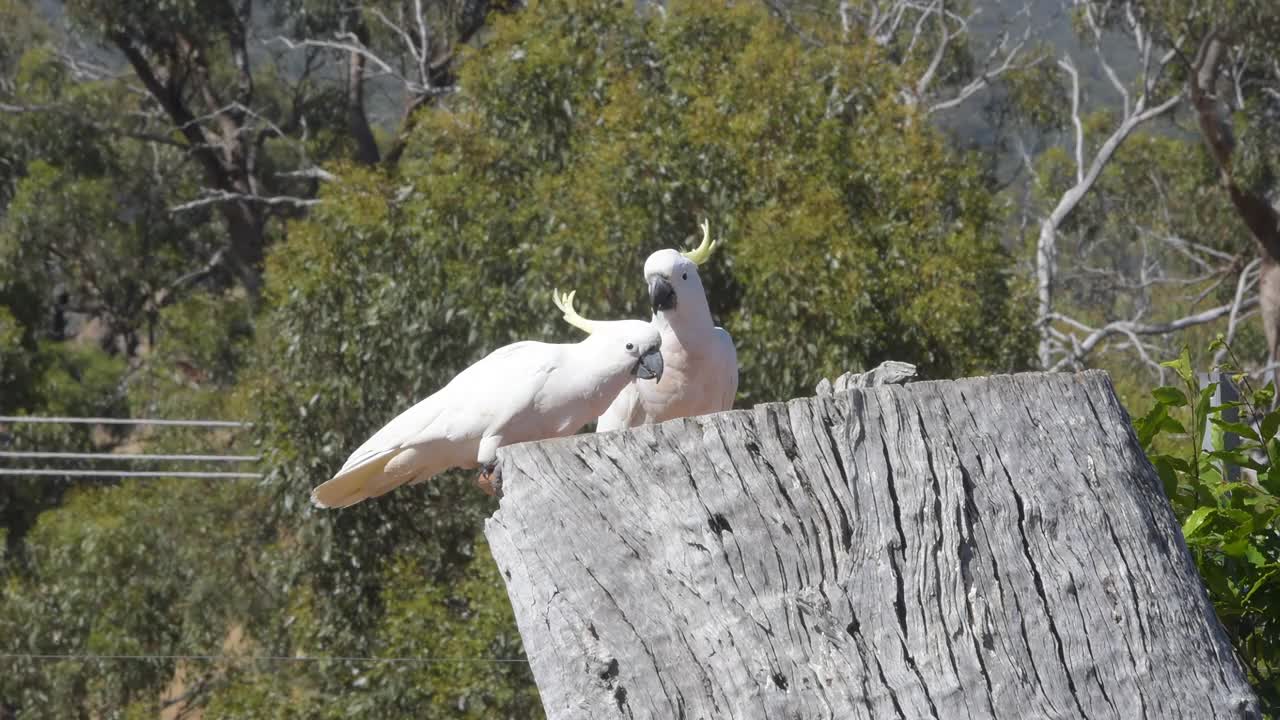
(684, 276)
(631, 346)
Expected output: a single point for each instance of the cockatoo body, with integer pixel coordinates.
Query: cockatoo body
(700, 362)
(518, 393)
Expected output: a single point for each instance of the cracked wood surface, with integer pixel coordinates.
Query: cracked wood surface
(983, 548)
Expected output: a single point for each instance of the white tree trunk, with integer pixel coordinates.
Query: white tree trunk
(984, 548)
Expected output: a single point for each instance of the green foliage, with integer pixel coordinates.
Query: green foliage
(138, 568)
(596, 137)
(1231, 525)
(449, 650)
(57, 380)
(1038, 95)
(469, 619)
(367, 322)
(85, 201)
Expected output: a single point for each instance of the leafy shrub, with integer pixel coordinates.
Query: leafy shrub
(1226, 499)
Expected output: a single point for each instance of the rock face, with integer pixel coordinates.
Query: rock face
(984, 548)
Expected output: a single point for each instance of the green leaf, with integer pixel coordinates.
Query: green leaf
(1148, 426)
(1237, 458)
(1202, 409)
(1222, 488)
(1195, 521)
(1237, 428)
(1182, 366)
(1168, 476)
(1263, 397)
(1235, 549)
(1170, 395)
(1270, 423)
(1258, 584)
(1270, 480)
(1260, 501)
(1241, 519)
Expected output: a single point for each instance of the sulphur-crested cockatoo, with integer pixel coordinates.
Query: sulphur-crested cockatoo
(521, 392)
(701, 373)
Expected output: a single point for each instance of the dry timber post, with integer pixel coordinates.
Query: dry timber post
(983, 548)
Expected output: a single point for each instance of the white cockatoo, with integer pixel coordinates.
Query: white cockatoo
(518, 393)
(701, 373)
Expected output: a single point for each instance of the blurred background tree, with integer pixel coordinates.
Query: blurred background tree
(309, 214)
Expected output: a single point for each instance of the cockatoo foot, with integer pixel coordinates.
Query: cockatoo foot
(490, 479)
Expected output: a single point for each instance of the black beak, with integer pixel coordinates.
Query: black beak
(650, 366)
(661, 295)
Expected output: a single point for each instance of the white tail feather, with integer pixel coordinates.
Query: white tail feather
(356, 483)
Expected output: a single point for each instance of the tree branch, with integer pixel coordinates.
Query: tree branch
(357, 120)
(213, 197)
(1127, 327)
(1259, 216)
(1248, 278)
(1046, 245)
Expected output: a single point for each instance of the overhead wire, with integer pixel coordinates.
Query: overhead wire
(37, 419)
(122, 457)
(56, 472)
(128, 456)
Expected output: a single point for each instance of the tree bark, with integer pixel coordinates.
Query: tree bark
(983, 548)
(357, 121)
(1256, 212)
(222, 153)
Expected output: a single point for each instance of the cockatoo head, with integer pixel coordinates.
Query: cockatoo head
(630, 345)
(672, 275)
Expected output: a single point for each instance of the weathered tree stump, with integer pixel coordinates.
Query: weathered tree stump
(984, 548)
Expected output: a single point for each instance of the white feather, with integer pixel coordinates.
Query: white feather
(518, 393)
(701, 362)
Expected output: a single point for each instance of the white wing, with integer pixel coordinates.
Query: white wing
(445, 429)
(727, 362)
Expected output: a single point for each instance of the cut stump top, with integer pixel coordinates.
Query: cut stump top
(982, 548)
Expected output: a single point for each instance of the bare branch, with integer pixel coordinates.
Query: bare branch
(1046, 246)
(212, 197)
(1127, 327)
(349, 44)
(918, 32)
(1258, 214)
(23, 109)
(312, 173)
(424, 56)
(783, 13)
(1066, 64)
(167, 295)
(984, 80)
(410, 46)
(1188, 249)
(1107, 69)
(1248, 278)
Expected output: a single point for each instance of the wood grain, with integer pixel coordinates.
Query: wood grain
(983, 548)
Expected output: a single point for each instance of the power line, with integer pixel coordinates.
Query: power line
(127, 473)
(34, 419)
(129, 456)
(263, 658)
